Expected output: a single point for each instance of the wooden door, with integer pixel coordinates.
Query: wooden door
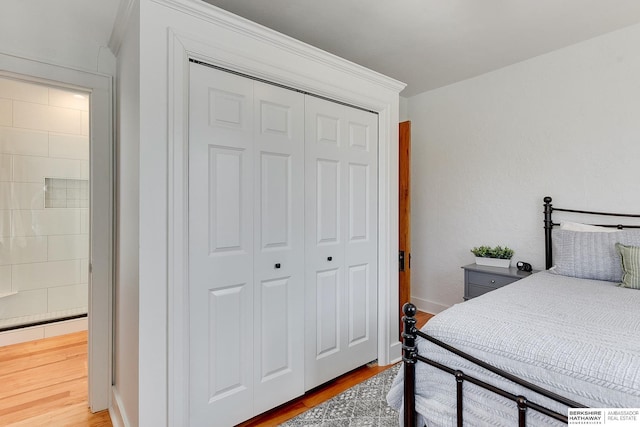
(404, 243)
(246, 252)
(341, 239)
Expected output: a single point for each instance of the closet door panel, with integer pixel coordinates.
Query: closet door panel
(278, 209)
(220, 247)
(341, 174)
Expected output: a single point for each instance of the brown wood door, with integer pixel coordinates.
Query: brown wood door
(405, 215)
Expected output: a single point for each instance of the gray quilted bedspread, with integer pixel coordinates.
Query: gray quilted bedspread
(579, 338)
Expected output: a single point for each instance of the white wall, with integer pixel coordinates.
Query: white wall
(44, 133)
(127, 219)
(485, 152)
(72, 33)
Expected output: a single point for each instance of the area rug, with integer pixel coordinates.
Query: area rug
(364, 404)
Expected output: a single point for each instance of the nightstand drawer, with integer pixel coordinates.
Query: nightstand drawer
(490, 280)
(473, 290)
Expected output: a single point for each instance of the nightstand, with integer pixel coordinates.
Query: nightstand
(480, 279)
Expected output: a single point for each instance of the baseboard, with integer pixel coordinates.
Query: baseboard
(39, 332)
(116, 410)
(428, 306)
(395, 353)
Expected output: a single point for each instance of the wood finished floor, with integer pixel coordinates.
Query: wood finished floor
(323, 393)
(44, 383)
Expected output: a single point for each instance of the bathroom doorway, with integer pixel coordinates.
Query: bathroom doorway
(44, 210)
(56, 210)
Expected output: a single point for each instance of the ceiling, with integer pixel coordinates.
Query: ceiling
(432, 43)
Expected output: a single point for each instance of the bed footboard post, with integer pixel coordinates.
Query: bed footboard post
(548, 226)
(409, 359)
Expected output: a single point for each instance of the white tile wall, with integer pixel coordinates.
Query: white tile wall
(5, 279)
(6, 167)
(69, 146)
(5, 223)
(68, 99)
(24, 303)
(43, 251)
(45, 275)
(17, 195)
(22, 250)
(35, 169)
(46, 222)
(66, 297)
(23, 91)
(70, 246)
(24, 141)
(6, 112)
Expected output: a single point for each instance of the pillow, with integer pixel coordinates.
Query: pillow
(630, 265)
(590, 255)
(577, 226)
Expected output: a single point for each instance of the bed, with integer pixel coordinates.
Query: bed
(567, 337)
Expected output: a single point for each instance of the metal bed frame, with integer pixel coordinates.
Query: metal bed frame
(410, 354)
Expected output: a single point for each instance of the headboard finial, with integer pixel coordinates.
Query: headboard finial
(547, 199)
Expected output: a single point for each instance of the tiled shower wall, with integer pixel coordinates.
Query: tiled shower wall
(44, 133)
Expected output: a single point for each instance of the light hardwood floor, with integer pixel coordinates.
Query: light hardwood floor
(325, 392)
(44, 383)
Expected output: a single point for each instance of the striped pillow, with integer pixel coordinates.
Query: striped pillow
(630, 265)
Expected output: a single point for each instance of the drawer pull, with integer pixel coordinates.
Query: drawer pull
(493, 281)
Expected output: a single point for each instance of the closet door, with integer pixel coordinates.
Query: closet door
(221, 256)
(278, 245)
(246, 246)
(341, 239)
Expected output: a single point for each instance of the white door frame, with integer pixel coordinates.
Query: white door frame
(101, 208)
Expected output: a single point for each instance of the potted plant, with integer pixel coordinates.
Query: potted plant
(495, 257)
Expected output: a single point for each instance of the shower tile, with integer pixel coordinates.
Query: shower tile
(66, 247)
(5, 223)
(69, 146)
(68, 99)
(45, 274)
(23, 141)
(24, 304)
(5, 279)
(16, 195)
(23, 91)
(22, 250)
(6, 167)
(6, 112)
(65, 120)
(67, 297)
(84, 123)
(27, 115)
(35, 169)
(45, 222)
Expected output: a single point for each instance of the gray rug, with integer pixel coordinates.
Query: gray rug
(364, 404)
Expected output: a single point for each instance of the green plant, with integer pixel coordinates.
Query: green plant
(489, 252)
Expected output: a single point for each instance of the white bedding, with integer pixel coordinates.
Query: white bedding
(579, 338)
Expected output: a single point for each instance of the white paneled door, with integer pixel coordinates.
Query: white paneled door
(341, 146)
(246, 251)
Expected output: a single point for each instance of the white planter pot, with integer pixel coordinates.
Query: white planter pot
(493, 262)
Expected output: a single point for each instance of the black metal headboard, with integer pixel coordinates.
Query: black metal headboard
(549, 224)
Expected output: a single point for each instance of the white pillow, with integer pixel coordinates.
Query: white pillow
(577, 226)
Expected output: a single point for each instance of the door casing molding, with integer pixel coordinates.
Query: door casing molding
(100, 87)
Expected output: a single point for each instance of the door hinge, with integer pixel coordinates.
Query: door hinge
(401, 260)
